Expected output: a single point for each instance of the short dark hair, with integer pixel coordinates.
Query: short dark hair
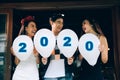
(54, 17)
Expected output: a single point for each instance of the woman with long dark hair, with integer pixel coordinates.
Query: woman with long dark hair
(89, 72)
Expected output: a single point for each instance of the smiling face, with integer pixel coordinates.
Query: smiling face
(86, 26)
(31, 29)
(57, 25)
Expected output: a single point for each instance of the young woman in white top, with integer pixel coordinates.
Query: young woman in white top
(27, 70)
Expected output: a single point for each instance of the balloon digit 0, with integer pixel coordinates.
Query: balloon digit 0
(44, 41)
(89, 45)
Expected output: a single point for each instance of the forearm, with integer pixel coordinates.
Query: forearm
(104, 56)
(80, 57)
(37, 59)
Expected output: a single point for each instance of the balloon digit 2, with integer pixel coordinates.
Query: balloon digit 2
(67, 43)
(23, 46)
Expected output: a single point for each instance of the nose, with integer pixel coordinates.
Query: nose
(35, 28)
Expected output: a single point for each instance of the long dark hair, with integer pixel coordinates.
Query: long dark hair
(95, 25)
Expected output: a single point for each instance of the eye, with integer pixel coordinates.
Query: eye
(58, 22)
(32, 25)
(84, 22)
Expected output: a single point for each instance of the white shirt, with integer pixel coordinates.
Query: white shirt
(56, 68)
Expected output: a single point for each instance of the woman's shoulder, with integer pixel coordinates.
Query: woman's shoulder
(102, 37)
